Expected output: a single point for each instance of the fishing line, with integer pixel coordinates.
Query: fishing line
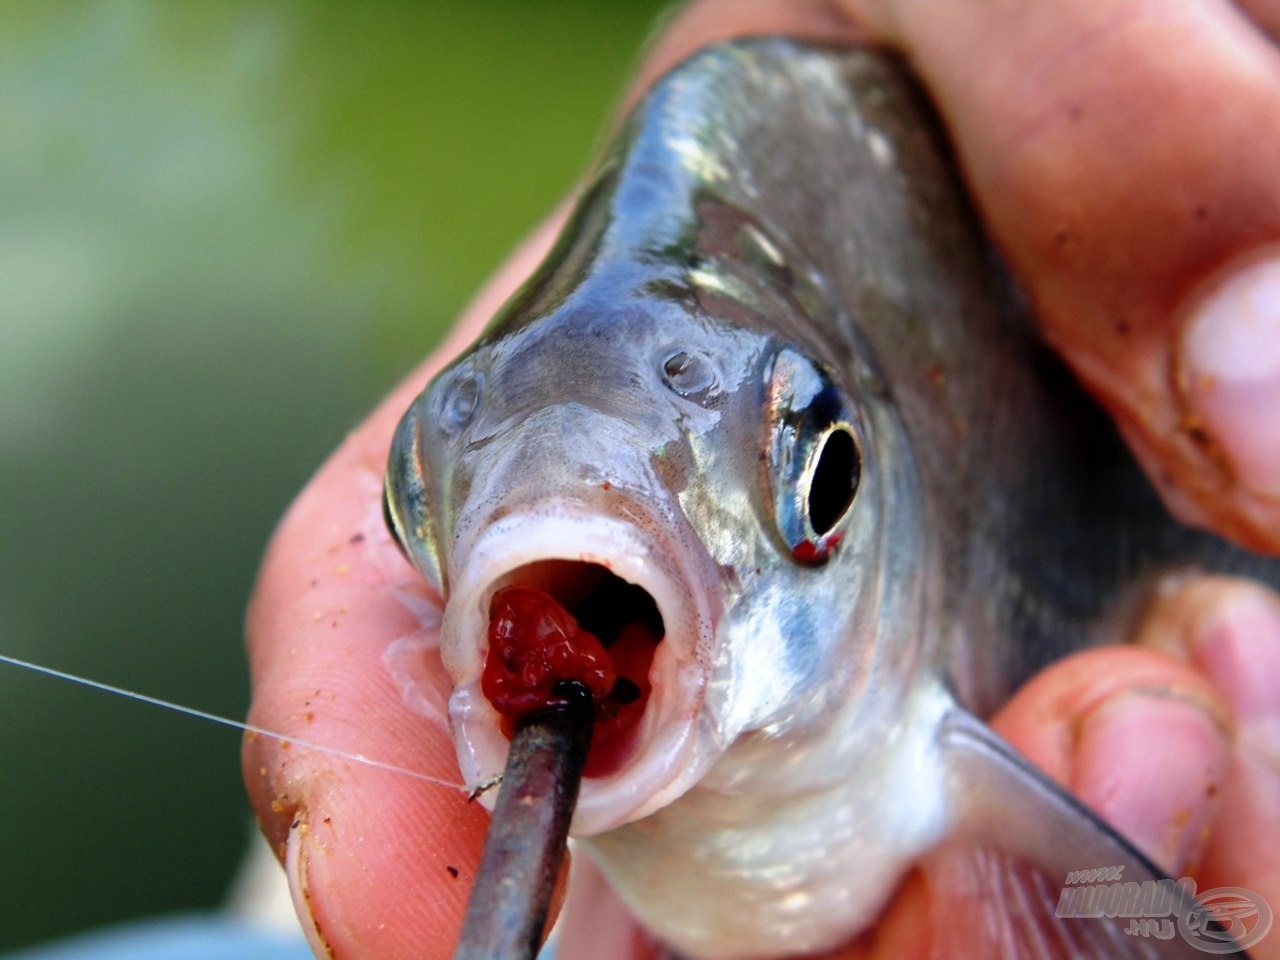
(227, 722)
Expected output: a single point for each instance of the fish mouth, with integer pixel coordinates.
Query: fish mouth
(651, 606)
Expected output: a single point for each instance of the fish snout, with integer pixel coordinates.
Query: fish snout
(624, 596)
(565, 452)
(461, 459)
(554, 541)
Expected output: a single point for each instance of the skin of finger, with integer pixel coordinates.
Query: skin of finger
(1045, 718)
(1265, 13)
(1043, 721)
(1121, 155)
(1182, 620)
(318, 639)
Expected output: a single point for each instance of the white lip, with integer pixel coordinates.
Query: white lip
(676, 741)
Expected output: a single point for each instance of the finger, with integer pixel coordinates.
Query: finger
(705, 22)
(320, 624)
(596, 923)
(1229, 630)
(341, 639)
(1089, 722)
(1265, 13)
(1123, 155)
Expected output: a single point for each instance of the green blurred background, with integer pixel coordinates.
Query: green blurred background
(226, 229)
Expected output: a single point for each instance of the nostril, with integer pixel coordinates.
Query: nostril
(462, 398)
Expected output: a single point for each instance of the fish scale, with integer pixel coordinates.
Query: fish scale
(781, 226)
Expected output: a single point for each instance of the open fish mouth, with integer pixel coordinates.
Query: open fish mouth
(647, 603)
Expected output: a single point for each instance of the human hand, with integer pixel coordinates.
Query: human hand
(339, 625)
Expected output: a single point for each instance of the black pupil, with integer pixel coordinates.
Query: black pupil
(835, 480)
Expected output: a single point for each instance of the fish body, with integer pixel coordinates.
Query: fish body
(772, 376)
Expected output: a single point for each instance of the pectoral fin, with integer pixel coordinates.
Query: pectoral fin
(1029, 872)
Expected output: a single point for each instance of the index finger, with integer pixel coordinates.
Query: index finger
(1122, 156)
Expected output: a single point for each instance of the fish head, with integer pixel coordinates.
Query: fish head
(646, 456)
(681, 400)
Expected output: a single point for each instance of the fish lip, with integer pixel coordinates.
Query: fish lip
(677, 742)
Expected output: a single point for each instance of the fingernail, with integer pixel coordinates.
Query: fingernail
(299, 850)
(1237, 647)
(1152, 766)
(1231, 356)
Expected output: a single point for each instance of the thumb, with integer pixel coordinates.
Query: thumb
(1123, 154)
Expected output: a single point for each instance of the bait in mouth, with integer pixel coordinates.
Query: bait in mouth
(773, 417)
(536, 646)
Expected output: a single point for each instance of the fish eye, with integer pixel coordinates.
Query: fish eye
(815, 459)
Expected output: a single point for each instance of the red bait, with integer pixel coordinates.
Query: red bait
(535, 643)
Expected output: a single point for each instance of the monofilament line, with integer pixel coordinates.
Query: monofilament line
(227, 722)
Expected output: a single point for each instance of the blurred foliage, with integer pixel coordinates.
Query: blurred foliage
(227, 228)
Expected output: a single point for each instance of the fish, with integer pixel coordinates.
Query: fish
(773, 398)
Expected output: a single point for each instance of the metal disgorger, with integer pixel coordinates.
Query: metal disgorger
(526, 841)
